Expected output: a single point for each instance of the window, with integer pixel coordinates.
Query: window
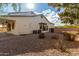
(43, 26)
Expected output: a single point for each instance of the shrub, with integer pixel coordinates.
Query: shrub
(67, 36)
(71, 26)
(41, 35)
(68, 26)
(76, 37)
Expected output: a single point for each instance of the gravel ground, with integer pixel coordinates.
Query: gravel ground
(30, 45)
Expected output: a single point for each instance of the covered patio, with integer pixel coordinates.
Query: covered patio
(6, 25)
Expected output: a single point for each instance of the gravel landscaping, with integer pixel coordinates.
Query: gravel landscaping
(31, 45)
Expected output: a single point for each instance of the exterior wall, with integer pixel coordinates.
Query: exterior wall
(25, 25)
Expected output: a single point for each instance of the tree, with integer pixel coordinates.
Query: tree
(2, 5)
(71, 11)
(17, 6)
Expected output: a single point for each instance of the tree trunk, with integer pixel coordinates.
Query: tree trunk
(19, 7)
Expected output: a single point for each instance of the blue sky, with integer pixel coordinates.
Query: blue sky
(43, 6)
(39, 7)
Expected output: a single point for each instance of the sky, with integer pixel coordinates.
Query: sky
(39, 7)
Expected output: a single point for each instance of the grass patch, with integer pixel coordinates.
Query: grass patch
(68, 26)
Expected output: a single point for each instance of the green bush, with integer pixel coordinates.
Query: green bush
(66, 26)
(70, 26)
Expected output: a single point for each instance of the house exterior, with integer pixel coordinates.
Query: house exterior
(25, 22)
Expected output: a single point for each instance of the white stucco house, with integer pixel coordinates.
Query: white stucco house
(25, 22)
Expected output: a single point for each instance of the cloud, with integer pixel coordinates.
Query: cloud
(36, 12)
(52, 16)
(45, 12)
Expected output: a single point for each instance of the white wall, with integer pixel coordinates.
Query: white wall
(25, 25)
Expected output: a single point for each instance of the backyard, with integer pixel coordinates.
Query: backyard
(31, 45)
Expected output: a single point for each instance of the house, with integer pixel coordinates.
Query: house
(25, 22)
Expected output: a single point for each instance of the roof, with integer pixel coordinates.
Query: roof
(25, 14)
(29, 13)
